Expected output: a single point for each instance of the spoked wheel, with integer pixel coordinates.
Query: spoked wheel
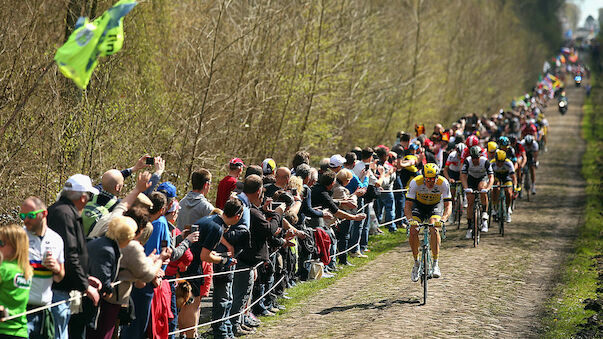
(476, 218)
(502, 214)
(425, 275)
(527, 184)
(458, 210)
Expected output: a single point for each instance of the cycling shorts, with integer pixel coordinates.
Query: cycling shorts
(425, 212)
(503, 180)
(454, 175)
(474, 182)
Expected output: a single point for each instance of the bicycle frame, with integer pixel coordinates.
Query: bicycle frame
(426, 263)
(502, 208)
(477, 216)
(457, 203)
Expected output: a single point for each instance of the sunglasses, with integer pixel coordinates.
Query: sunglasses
(30, 215)
(430, 179)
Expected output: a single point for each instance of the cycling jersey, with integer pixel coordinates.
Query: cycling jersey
(530, 148)
(454, 161)
(482, 170)
(519, 149)
(420, 193)
(503, 171)
(511, 154)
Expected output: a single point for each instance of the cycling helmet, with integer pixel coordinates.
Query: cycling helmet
(504, 141)
(475, 151)
(492, 146)
(501, 155)
(529, 139)
(430, 170)
(460, 148)
(471, 141)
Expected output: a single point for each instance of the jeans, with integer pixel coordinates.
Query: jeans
(61, 314)
(142, 298)
(34, 325)
(242, 286)
(399, 199)
(386, 200)
(343, 237)
(221, 305)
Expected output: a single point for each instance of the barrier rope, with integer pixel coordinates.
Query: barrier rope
(41, 308)
(233, 315)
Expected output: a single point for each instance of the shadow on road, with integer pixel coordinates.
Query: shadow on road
(377, 305)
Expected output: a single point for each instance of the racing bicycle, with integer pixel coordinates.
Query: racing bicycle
(426, 263)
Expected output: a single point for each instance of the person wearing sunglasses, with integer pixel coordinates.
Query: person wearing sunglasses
(64, 217)
(46, 257)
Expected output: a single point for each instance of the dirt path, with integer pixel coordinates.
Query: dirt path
(497, 290)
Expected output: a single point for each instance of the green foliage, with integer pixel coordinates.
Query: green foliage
(200, 82)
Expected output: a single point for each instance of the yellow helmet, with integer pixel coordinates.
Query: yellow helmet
(430, 170)
(501, 155)
(492, 146)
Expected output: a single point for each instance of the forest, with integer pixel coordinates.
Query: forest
(198, 82)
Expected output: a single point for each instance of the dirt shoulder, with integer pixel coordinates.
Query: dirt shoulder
(496, 290)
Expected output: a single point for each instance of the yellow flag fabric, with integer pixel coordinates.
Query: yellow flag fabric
(104, 36)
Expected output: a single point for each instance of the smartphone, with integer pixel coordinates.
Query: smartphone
(194, 228)
(275, 205)
(367, 167)
(164, 243)
(150, 161)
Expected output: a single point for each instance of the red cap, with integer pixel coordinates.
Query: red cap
(428, 142)
(237, 162)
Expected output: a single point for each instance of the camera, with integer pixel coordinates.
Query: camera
(275, 205)
(194, 228)
(150, 161)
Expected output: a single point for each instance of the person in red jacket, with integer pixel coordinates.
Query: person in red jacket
(229, 183)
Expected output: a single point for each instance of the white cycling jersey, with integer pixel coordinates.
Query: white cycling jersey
(482, 169)
(454, 161)
(530, 148)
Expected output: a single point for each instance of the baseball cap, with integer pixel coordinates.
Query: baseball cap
(236, 162)
(413, 146)
(336, 161)
(268, 166)
(168, 189)
(80, 183)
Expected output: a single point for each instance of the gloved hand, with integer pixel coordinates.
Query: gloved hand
(413, 223)
(438, 223)
(483, 191)
(468, 190)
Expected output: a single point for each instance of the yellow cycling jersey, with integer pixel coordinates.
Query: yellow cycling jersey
(418, 191)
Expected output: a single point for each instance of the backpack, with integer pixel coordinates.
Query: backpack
(94, 210)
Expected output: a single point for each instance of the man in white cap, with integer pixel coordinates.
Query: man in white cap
(336, 162)
(64, 217)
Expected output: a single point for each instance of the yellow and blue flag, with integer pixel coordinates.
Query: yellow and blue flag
(104, 36)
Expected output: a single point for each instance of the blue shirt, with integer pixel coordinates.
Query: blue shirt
(355, 183)
(160, 232)
(246, 217)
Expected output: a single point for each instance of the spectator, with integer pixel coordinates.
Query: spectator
(251, 169)
(300, 157)
(281, 177)
(143, 297)
(103, 202)
(64, 217)
(341, 193)
(336, 162)
(229, 183)
(15, 279)
(211, 229)
(195, 205)
(222, 297)
(268, 169)
(323, 166)
(105, 255)
(385, 201)
(46, 257)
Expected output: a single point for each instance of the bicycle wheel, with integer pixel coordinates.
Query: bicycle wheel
(458, 208)
(424, 274)
(526, 183)
(476, 218)
(502, 216)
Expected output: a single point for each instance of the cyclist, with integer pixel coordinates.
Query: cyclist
(452, 168)
(477, 174)
(428, 198)
(492, 147)
(531, 147)
(504, 175)
(471, 141)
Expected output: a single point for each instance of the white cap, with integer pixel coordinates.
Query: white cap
(80, 183)
(336, 161)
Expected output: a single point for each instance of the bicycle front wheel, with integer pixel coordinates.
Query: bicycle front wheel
(476, 220)
(502, 216)
(425, 275)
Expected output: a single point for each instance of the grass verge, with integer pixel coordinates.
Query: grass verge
(567, 316)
